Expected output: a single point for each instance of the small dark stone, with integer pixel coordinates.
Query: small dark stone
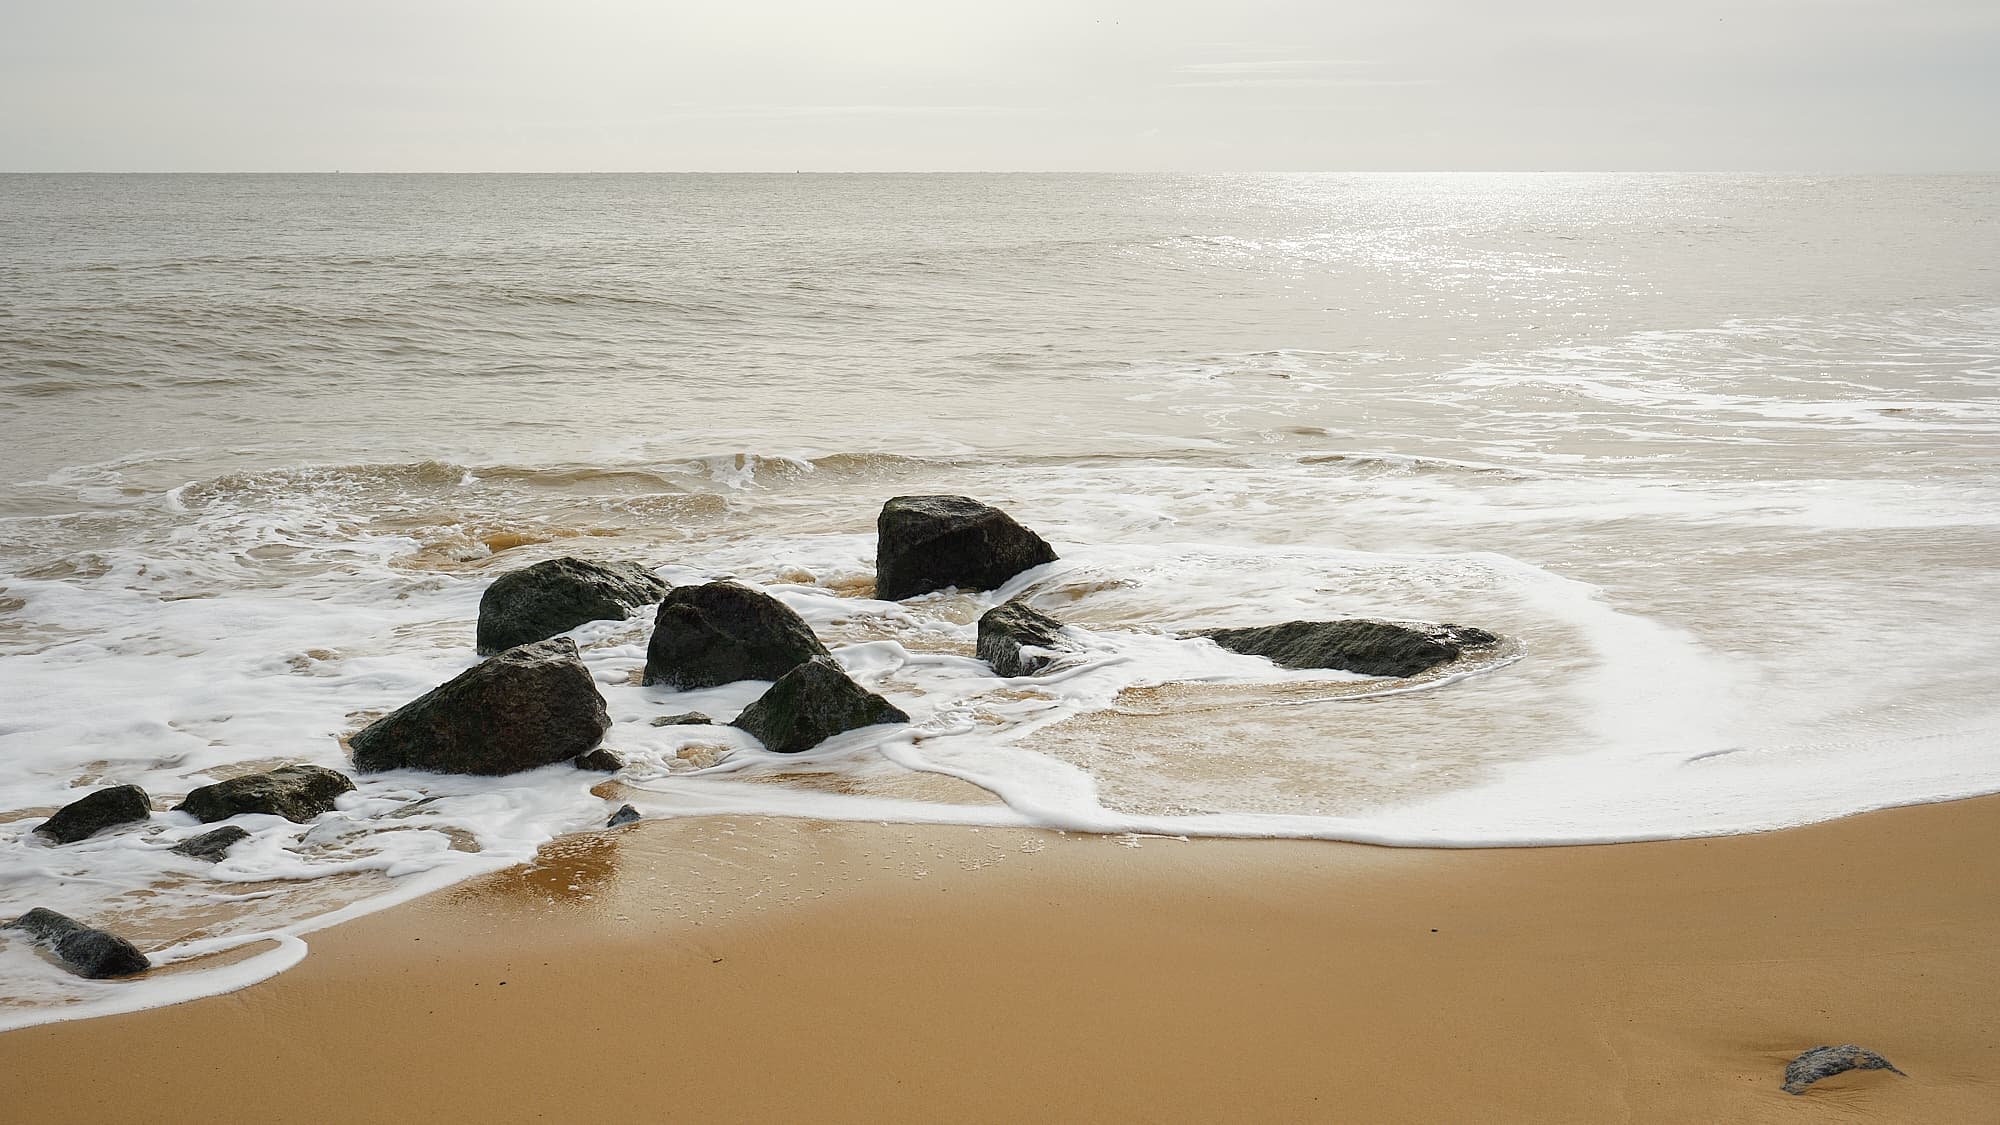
(722, 632)
(211, 846)
(601, 760)
(812, 703)
(925, 543)
(1825, 1062)
(1006, 633)
(84, 818)
(684, 719)
(88, 953)
(1373, 648)
(532, 705)
(626, 814)
(537, 602)
(297, 793)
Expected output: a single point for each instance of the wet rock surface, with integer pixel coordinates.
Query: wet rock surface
(297, 793)
(926, 543)
(1008, 634)
(721, 632)
(86, 817)
(601, 761)
(84, 951)
(538, 602)
(812, 703)
(1825, 1062)
(626, 814)
(211, 846)
(1372, 648)
(532, 705)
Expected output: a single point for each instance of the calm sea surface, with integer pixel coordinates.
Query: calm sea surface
(1719, 455)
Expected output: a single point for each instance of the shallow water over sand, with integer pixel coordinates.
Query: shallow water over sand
(1720, 456)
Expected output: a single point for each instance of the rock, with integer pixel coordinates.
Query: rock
(87, 952)
(84, 818)
(1373, 648)
(297, 793)
(626, 814)
(1825, 1062)
(684, 719)
(812, 703)
(601, 760)
(211, 846)
(1008, 634)
(532, 705)
(537, 602)
(925, 543)
(722, 632)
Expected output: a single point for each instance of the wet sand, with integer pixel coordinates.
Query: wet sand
(745, 969)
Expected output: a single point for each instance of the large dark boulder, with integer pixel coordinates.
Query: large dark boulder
(297, 793)
(1373, 648)
(211, 846)
(1009, 635)
(812, 703)
(537, 602)
(532, 705)
(925, 543)
(87, 952)
(722, 632)
(106, 808)
(1825, 1062)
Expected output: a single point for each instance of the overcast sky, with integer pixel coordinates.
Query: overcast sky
(999, 84)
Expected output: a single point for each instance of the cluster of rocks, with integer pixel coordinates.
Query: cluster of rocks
(298, 793)
(532, 702)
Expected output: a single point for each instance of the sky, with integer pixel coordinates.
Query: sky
(999, 85)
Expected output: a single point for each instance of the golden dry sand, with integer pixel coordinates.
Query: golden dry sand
(760, 970)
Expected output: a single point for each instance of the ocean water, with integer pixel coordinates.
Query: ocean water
(1720, 457)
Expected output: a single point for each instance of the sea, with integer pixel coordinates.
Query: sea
(1718, 456)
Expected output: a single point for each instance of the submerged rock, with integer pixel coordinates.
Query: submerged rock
(1825, 1062)
(86, 817)
(211, 846)
(537, 602)
(684, 719)
(297, 793)
(1009, 634)
(600, 760)
(925, 543)
(532, 705)
(812, 703)
(626, 814)
(721, 632)
(86, 952)
(1373, 648)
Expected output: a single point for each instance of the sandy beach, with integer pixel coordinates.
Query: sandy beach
(746, 969)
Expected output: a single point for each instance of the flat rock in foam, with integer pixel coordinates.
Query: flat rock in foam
(1372, 648)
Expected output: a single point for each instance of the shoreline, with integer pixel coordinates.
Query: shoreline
(741, 967)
